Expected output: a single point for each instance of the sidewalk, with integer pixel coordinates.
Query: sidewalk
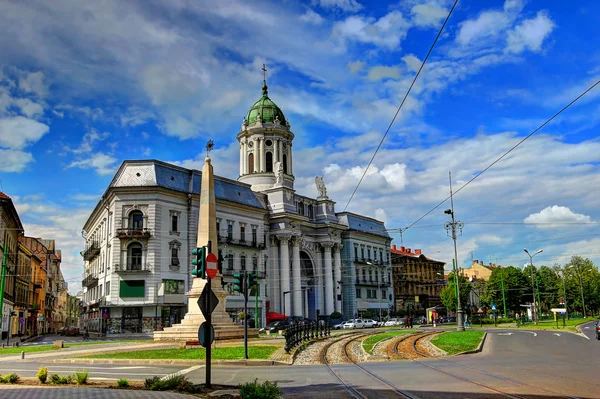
(25, 392)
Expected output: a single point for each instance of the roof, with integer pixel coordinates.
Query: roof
(2, 195)
(407, 253)
(363, 224)
(266, 108)
(5, 199)
(153, 173)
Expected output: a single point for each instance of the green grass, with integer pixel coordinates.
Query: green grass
(457, 342)
(44, 348)
(370, 342)
(551, 324)
(232, 353)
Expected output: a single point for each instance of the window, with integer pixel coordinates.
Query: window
(107, 288)
(285, 171)
(383, 294)
(371, 275)
(174, 287)
(230, 261)
(250, 163)
(368, 294)
(381, 255)
(242, 232)
(218, 229)
(301, 208)
(369, 253)
(175, 256)
(230, 231)
(357, 275)
(356, 252)
(134, 256)
(362, 252)
(358, 293)
(136, 220)
(174, 220)
(255, 263)
(374, 294)
(100, 289)
(243, 262)
(364, 275)
(254, 236)
(269, 159)
(375, 254)
(310, 211)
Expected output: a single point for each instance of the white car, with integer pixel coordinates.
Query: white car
(392, 323)
(369, 323)
(339, 326)
(354, 323)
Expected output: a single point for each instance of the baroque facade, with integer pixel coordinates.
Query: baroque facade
(137, 260)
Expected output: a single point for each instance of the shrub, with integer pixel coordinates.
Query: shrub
(81, 376)
(60, 380)
(151, 381)
(254, 390)
(42, 374)
(11, 378)
(172, 383)
(123, 383)
(336, 316)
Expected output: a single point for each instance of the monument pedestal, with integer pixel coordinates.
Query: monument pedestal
(187, 330)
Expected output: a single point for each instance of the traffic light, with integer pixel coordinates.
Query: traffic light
(199, 262)
(238, 283)
(252, 280)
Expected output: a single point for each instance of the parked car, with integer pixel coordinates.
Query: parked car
(339, 326)
(72, 331)
(369, 323)
(392, 323)
(354, 323)
(62, 331)
(276, 326)
(598, 330)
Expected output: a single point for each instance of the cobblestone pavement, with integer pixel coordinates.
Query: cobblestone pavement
(84, 393)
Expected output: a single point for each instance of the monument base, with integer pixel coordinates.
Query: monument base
(187, 330)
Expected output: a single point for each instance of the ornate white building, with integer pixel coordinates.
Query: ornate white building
(140, 236)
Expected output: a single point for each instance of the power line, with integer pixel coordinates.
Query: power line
(401, 104)
(509, 151)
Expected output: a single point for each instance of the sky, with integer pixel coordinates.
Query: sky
(84, 86)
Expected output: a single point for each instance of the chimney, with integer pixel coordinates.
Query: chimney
(402, 249)
(408, 250)
(476, 261)
(418, 251)
(394, 247)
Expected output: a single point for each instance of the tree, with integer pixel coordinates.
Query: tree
(515, 288)
(581, 272)
(448, 293)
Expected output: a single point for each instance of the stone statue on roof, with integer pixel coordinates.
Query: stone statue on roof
(321, 187)
(278, 173)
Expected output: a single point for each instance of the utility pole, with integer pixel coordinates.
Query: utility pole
(534, 313)
(452, 226)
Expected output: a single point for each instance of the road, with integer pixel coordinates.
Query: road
(513, 363)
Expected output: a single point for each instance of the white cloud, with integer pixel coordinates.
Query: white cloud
(312, 17)
(380, 215)
(135, 116)
(412, 62)
(387, 31)
(103, 164)
(88, 140)
(345, 5)
(487, 24)
(428, 15)
(18, 132)
(380, 72)
(356, 66)
(530, 34)
(557, 214)
(33, 83)
(86, 197)
(14, 160)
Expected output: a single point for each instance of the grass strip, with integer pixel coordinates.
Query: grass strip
(232, 353)
(370, 342)
(457, 342)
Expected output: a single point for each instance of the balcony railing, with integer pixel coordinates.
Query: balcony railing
(90, 279)
(241, 242)
(91, 251)
(134, 232)
(131, 268)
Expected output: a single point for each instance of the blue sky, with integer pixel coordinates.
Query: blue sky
(84, 87)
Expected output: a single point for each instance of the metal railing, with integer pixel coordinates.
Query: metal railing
(241, 242)
(134, 232)
(91, 251)
(304, 330)
(133, 268)
(90, 279)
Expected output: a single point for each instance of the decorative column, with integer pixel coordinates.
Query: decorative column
(280, 143)
(275, 152)
(290, 163)
(255, 146)
(273, 273)
(338, 277)
(296, 277)
(261, 151)
(319, 267)
(285, 273)
(245, 156)
(241, 158)
(328, 279)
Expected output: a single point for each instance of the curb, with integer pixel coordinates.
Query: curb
(200, 362)
(477, 350)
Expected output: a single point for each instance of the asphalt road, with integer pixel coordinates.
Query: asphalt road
(513, 363)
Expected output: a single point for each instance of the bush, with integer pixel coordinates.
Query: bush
(42, 374)
(11, 378)
(475, 320)
(151, 381)
(172, 383)
(123, 383)
(336, 316)
(81, 377)
(254, 390)
(56, 379)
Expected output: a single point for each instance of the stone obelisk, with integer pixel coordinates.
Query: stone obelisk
(207, 231)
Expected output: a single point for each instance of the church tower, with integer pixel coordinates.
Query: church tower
(266, 145)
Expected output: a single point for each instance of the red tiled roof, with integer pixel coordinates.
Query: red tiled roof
(2, 195)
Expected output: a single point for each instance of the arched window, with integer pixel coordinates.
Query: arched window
(136, 220)
(269, 158)
(250, 163)
(285, 163)
(301, 208)
(134, 256)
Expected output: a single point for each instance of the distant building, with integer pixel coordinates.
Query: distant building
(479, 271)
(417, 279)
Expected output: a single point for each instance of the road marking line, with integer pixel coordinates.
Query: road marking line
(182, 372)
(505, 333)
(557, 334)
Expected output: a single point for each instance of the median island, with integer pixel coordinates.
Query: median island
(229, 353)
(458, 342)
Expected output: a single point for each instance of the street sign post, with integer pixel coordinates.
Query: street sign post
(206, 334)
(207, 306)
(211, 265)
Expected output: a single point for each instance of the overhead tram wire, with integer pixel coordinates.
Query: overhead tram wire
(402, 103)
(509, 151)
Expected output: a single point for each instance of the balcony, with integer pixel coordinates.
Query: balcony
(131, 268)
(38, 284)
(91, 251)
(241, 243)
(90, 279)
(134, 233)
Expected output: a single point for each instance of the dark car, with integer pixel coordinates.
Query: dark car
(62, 331)
(72, 331)
(276, 326)
(598, 330)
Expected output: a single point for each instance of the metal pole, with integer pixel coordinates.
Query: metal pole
(533, 310)
(539, 302)
(459, 313)
(256, 290)
(503, 297)
(581, 286)
(2, 282)
(245, 283)
(207, 335)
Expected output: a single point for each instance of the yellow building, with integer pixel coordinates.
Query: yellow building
(479, 271)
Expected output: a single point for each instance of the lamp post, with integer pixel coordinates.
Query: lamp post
(563, 277)
(534, 313)
(453, 227)
(580, 287)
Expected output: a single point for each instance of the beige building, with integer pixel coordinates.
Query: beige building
(479, 271)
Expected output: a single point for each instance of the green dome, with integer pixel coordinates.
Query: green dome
(267, 110)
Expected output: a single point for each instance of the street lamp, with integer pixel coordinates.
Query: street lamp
(534, 313)
(452, 226)
(580, 286)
